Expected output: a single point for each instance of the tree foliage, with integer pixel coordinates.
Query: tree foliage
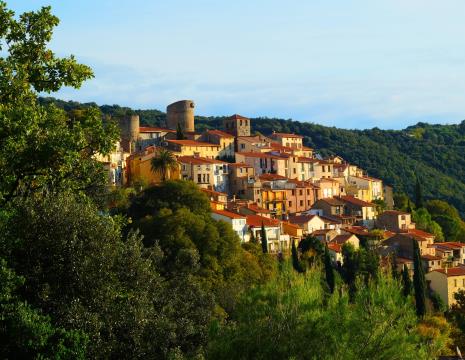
(419, 281)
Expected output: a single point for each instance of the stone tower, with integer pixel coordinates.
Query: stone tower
(181, 112)
(237, 125)
(129, 125)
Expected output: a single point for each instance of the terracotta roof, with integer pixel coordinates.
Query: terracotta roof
(418, 232)
(198, 160)
(358, 230)
(285, 135)
(220, 133)
(192, 143)
(255, 208)
(306, 148)
(213, 192)
(307, 159)
(395, 212)
(237, 116)
(271, 177)
(278, 146)
(327, 219)
(332, 201)
(149, 129)
(301, 219)
(341, 239)
(448, 245)
(322, 231)
(353, 200)
(335, 247)
(455, 271)
(291, 225)
(430, 257)
(257, 221)
(228, 214)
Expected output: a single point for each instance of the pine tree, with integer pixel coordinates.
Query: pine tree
(419, 281)
(295, 259)
(264, 239)
(406, 281)
(179, 132)
(418, 195)
(329, 271)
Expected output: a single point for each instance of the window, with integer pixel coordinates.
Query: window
(199, 178)
(308, 191)
(301, 203)
(290, 203)
(293, 192)
(242, 146)
(308, 202)
(208, 177)
(323, 168)
(295, 171)
(241, 123)
(301, 192)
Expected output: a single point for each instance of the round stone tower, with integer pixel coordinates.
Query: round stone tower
(129, 126)
(182, 113)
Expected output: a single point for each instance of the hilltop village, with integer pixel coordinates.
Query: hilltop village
(273, 183)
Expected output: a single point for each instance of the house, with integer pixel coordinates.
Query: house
(346, 239)
(308, 223)
(402, 245)
(151, 136)
(288, 140)
(328, 188)
(277, 242)
(335, 254)
(207, 173)
(451, 253)
(325, 235)
(223, 139)
(238, 222)
(139, 167)
(193, 148)
(365, 212)
(373, 186)
(241, 177)
(300, 196)
(216, 196)
(294, 231)
(254, 209)
(394, 220)
(264, 163)
(329, 207)
(446, 282)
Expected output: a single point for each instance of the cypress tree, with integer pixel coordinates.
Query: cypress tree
(329, 271)
(253, 240)
(419, 281)
(264, 239)
(409, 207)
(418, 195)
(295, 259)
(179, 132)
(406, 282)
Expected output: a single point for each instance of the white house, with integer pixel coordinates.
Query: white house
(238, 222)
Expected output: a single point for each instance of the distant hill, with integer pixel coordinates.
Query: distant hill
(434, 153)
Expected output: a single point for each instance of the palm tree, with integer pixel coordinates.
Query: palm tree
(163, 162)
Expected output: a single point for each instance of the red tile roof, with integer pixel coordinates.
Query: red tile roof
(255, 208)
(431, 257)
(257, 220)
(419, 232)
(341, 239)
(240, 165)
(228, 214)
(271, 177)
(335, 247)
(285, 135)
(301, 219)
(192, 143)
(353, 200)
(259, 155)
(149, 129)
(220, 133)
(213, 192)
(455, 271)
(238, 117)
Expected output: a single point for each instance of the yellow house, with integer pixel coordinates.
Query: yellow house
(221, 138)
(194, 148)
(372, 188)
(288, 140)
(273, 200)
(139, 168)
(446, 282)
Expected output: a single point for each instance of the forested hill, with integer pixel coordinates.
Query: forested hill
(434, 153)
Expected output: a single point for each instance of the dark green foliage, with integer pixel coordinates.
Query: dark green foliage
(27, 334)
(438, 303)
(350, 267)
(406, 282)
(329, 271)
(295, 259)
(291, 317)
(311, 243)
(419, 203)
(264, 240)
(419, 281)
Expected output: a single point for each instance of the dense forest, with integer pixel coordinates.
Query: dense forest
(433, 153)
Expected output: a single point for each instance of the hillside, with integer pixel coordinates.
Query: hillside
(434, 153)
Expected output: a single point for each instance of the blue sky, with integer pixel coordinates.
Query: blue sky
(351, 64)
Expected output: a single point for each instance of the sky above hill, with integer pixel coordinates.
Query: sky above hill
(351, 64)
